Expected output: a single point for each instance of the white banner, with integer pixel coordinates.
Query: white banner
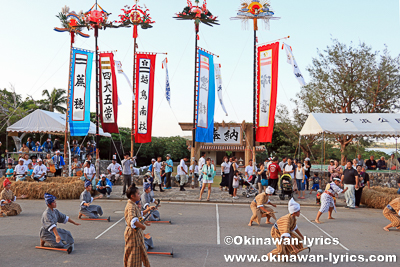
(218, 85)
(143, 99)
(78, 108)
(203, 92)
(291, 60)
(118, 64)
(107, 90)
(228, 136)
(265, 92)
(167, 86)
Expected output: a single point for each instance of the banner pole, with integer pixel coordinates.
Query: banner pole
(134, 99)
(96, 34)
(68, 96)
(195, 80)
(254, 90)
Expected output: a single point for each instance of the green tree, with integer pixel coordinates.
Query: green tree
(13, 108)
(290, 126)
(56, 100)
(351, 79)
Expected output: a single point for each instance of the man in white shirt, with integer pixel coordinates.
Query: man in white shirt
(289, 169)
(113, 170)
(183, 173)
(21, 170)
(156, 172)
(249, 169)
(90, 173)
(39, 172)
(202, 160)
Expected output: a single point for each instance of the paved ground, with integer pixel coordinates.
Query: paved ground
(218, 196)
(193, 235)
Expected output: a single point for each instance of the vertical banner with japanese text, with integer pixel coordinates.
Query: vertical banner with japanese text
(79, 102)
(144, 93)
(267, 86)
(108, 93)
(205, 98)
(167, 86)
(292, 61)
(218, 83)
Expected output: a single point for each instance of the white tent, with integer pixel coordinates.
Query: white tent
(362, 124)
(42, 121)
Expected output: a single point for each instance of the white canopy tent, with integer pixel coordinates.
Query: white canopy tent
(364, 124)
(382, 125)
(42, 121)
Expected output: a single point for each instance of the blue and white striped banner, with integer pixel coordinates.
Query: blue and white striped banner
(79, 102)
(205, 98)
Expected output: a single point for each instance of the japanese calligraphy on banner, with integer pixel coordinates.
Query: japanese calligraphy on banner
(218, 82)
(267, 85)
(167, 86)
(144, 92)
(292, 61)
(79, 102)
(228, 136)
(108, 93)
(205, 98)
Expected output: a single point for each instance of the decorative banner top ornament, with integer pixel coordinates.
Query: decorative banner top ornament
(254, 10)
(135, 15)
(99, 18)
(198, 14)
(71, 22)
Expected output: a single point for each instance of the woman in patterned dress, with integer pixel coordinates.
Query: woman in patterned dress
(392, 213)
(135, 251)
(7, 198)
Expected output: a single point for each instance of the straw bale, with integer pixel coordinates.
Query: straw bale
(378, 197)
(60, 187)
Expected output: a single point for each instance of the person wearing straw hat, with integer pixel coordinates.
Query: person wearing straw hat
(135, 251)
(392, 213)
(286, 228)
(259, 208)
(328, 199)
(86, 199)
(49, 232)
(39, 172)
(8, 207)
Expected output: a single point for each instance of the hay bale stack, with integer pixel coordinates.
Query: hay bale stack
(378, 197)
(60, 187)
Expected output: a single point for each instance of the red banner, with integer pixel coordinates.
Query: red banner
(144, 95)
(108, 93)
(267, 85)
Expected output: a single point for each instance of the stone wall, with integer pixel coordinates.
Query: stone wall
(375, 178)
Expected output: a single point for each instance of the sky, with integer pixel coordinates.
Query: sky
(34, 57)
